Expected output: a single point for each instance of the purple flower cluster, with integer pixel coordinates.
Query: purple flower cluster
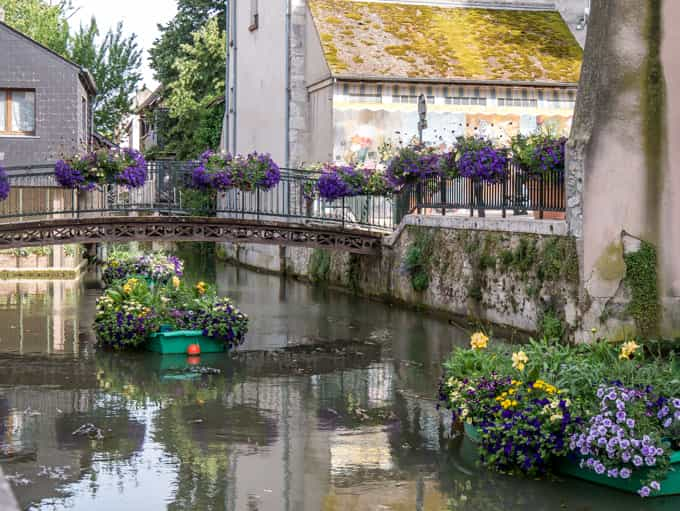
(126, 329)
(135, 174)
(4, 184)
(548, 156)
(412, 164)
(628, 433)
(224, 172)
(125, 167)
(67, 176)
(484, 163)
(334, 182)
(337, 181)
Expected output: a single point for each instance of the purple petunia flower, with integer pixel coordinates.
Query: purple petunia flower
(625, 473)
(644, 491)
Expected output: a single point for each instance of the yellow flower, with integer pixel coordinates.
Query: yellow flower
(175, 282)
(479, 341)
(628, 350)
(519, 360)
(201, 287)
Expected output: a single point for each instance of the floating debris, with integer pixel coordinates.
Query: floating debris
(89, 430)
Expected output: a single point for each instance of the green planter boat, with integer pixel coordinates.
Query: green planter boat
(178, 341)
(669, 486)
(570, 467)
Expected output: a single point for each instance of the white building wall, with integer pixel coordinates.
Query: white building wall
(258, 79)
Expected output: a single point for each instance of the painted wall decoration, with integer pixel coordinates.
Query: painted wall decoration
(366, 118)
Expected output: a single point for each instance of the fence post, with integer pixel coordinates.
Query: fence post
(343, 212)
(472, 196)
(541, 191)
(505, 193)
(257, 203)
(443, 195)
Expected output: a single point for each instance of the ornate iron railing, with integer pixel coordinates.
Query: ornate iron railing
(35, 195)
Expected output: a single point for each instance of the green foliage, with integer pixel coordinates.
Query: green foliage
(194, 96)
(320, 265)
(191, 16)
(200, 202)
(418, 259)
(641, 279)
(114, 62)
(551, 326)
(46, 22)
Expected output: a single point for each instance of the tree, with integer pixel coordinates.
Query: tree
(191, 16)
(114, 62)
(194, 98)
(45, 22)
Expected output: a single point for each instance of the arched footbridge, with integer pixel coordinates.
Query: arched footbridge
(40, 212)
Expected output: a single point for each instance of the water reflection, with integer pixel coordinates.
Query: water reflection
(340, 420)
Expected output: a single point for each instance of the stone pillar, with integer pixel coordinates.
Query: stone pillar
(298, 88)
(623, 168)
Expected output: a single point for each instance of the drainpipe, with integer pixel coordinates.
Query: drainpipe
(227, 102)
(288, 81)
(234, 62)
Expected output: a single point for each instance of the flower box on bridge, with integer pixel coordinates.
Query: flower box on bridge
(570, 466)
(178, 342)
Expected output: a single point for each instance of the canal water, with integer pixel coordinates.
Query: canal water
(329, 406)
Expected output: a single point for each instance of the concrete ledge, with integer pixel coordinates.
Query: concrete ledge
(7, 500)
(52, 273)
(513, 224)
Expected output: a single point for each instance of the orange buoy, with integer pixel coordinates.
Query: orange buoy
(194, 349)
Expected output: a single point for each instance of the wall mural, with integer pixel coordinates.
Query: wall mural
(360, 132)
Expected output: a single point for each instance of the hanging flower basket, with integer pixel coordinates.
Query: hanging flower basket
(125, 167)
(217, 172)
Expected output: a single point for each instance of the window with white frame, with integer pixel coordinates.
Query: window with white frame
(17, 112)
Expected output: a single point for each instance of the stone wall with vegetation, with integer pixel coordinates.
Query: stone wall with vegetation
(521, 280)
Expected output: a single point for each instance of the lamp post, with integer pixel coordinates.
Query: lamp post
(422, 116)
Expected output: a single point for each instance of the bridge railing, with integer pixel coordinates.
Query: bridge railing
(35, 195)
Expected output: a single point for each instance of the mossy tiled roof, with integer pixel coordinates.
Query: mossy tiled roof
(406, 40)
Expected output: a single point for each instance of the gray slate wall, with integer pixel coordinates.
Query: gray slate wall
(58, 101)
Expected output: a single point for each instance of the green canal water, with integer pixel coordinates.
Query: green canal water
(329, 406)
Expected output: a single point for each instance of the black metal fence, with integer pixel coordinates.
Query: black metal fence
(518, 192)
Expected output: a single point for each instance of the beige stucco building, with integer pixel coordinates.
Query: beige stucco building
(321, 80)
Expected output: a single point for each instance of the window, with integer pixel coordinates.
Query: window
(254, 16)
(529, 103)
(465, 100)
(365, 98)
(17, 112)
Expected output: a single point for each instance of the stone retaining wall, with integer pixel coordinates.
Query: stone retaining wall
(509, 277)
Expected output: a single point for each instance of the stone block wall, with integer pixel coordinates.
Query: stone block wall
(507, 278)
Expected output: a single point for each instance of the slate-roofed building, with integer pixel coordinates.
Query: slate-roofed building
(45, 102)
(355, 70)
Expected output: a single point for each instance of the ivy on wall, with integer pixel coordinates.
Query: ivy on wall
(319, 265)
(417, 261)
(641, 278)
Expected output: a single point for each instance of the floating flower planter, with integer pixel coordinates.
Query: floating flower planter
(623, 433)
(179, 341)
(156, 311)
(571, 466)
(669, 486)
